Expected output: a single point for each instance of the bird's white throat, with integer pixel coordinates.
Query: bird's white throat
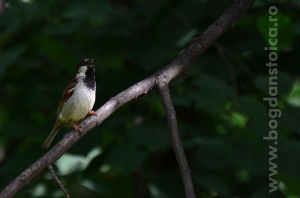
(81, 71)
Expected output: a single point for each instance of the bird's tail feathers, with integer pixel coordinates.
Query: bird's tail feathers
(53, 133)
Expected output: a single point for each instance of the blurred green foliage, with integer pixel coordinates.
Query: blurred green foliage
(221, 113)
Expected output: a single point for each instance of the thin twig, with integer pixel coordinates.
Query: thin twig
(234, 57)
(228, 64)
(165, 95)
(57, 180)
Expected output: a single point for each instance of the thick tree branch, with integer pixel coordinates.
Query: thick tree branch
(179, 66)
(165, 95)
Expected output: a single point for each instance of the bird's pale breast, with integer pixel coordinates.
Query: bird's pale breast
(79, 104)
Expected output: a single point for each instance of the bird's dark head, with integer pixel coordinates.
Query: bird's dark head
(86, 67)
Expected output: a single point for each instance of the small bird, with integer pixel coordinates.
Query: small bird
(77, 100)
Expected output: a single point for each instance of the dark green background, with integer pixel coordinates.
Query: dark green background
(220, 109)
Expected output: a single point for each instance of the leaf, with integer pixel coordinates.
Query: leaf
(294, 97)
(212, 95)
(282, 83)
(283, 26)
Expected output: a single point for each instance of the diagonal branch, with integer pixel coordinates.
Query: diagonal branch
(165, 95)
(57, 180)
(179, 66)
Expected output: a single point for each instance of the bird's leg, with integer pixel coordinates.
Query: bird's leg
(92, 113)
(76, 127)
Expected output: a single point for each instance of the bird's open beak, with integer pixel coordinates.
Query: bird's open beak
(91, 64)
